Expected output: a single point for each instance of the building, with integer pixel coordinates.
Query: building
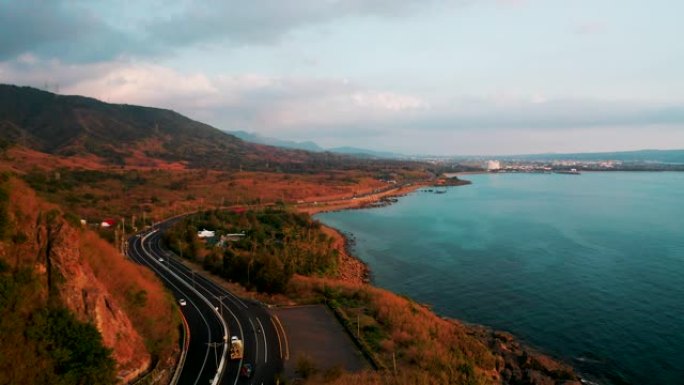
(206, 233)
(493, 165)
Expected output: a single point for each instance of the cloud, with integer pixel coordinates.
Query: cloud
(228, 101)
(336, 111)
(66, 30)
(83, 31)
(264, 21)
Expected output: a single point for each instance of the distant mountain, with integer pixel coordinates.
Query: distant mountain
(362, 152)
(256, 138)
(81, 126)
(641, 156)
(311, 146)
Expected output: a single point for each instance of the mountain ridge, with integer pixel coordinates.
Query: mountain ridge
(77, 125)
(314, 147)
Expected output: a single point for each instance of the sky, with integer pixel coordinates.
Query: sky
(460, 77)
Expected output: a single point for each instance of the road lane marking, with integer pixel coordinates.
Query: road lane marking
(280, 344)
(287, 345)
(256, 341)
(169, 267)
(263, 333)
(164, 277)
(182, 269)
(206, 356)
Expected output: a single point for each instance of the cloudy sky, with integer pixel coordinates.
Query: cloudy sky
(437, 77)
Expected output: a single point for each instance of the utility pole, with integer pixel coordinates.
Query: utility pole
(251, 261)
(123, 233)
(358, 327)
(394, 362)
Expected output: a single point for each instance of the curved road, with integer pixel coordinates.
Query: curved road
(208, 307)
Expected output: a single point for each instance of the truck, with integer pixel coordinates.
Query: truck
(236, 348)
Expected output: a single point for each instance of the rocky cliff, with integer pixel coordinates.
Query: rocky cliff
(71, 266)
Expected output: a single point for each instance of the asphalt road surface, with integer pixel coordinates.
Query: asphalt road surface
(208, 307)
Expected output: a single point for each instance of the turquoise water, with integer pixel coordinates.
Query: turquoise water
(588, 268)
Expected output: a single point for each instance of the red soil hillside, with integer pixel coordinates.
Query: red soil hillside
(125, 302)
(127, 135)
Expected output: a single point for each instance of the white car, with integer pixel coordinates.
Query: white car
(161, 259)
(182, 302)
(234, 338)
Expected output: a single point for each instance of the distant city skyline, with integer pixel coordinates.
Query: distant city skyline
(462, 77)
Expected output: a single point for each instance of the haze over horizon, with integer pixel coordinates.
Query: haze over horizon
(459, 77)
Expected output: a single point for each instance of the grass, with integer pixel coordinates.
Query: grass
(426, 348)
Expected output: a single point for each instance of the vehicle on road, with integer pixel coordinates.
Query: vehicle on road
(236, 348)
(161, 259)
(182, 302)
(246, 371)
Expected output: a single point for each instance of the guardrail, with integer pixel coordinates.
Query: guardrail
(222, 364)
(184, 352)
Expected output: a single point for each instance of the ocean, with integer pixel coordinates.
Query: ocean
(588, 268)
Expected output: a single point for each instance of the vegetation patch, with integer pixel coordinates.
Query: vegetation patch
(410, 343)
(259, 249)
(46, 344)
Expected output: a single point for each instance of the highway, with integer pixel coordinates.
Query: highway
(209, 309)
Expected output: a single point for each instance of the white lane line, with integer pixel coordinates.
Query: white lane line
(263, 334)
(170, 269)
(182, 269)
(187, 271)
(280, 344)
(256, 342)
(151, 266)
(287, 344)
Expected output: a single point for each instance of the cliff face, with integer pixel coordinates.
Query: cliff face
(61, 256)
(68, 272)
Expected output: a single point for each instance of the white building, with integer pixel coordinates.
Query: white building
(206, 233)
(493, 165)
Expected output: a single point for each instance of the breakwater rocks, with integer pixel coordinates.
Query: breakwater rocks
(521, 365)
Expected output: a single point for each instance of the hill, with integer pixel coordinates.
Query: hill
(128, 135)
(72, 309)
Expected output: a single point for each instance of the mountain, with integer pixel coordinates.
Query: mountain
(256, 138)
(362, 152)
(311, 146)
(121, 134)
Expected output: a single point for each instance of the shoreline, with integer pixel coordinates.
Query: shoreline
(359, 202)
(515, 353)
(352, 269)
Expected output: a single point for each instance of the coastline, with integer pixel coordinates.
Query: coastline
(360, 202)
(518, 362)
(352, 269)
